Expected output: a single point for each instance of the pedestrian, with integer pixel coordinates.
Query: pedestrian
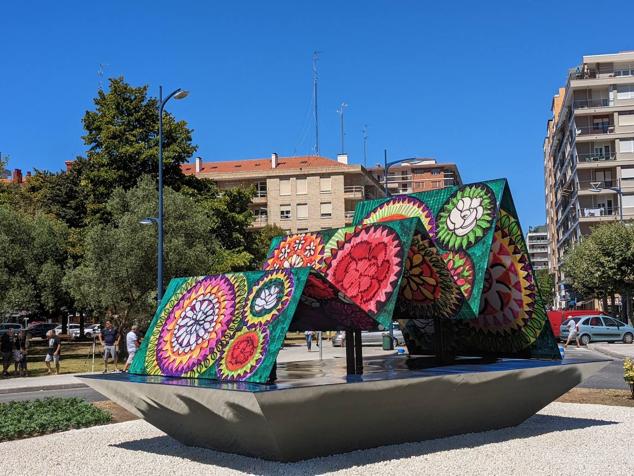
(132, 344)
(6, 348)
(309, 339)
(573, 332)
(54, 352)
(20, 352)
(109, 340)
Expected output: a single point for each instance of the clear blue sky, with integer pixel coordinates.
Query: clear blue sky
(464, 82)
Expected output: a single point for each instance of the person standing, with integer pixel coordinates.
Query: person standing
(54, 352)
(20, 352)
(573, 332)
(6, 349)
(109, 339)
(309, 339)
(132, 344)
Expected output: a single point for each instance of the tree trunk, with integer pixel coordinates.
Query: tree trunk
(613, 309)
(604, 302)
(82, 323)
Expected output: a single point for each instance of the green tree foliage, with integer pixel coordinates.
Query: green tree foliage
(546, 285)
(603, 263)
(33, 253)
(117, 273)
(122, 139)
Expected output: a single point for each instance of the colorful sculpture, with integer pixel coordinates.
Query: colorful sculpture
(449, 264)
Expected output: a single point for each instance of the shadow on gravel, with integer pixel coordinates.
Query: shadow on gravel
(534, 426)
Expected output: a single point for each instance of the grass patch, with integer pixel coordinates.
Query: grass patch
(24, 419)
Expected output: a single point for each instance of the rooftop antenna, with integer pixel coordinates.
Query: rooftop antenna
(100, 73)
(315, 77)
(341, 111)
(365, 145)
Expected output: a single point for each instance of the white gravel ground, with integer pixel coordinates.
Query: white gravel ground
(562, 439)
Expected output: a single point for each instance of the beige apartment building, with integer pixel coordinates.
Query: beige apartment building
(298, 194)
(418, 175)
(589, 153)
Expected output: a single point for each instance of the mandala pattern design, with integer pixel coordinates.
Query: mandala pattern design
(243, 355)
(269, 297)
(508, 298)
(306, 249)
(461, 268)
(400, 207)
(466, 217)
(194, 325)
(366, 266)
(427, 285)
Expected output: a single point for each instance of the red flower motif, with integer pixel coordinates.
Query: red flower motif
(365, 266)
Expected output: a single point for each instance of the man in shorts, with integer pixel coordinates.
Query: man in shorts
(109, 339)
(132, 344)
(6, 348)
(573, 332)
(54, 351)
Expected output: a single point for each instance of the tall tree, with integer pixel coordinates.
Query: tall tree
(122, 136)
(546, 286)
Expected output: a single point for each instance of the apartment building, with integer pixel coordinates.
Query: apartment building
(419, 175)
(298, 194)
(15, 177)
(537, 243)
(589, 152)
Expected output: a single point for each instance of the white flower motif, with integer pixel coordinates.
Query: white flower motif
(284, 251)
(267, 298)
(294, 261)
(310, 249)
(465, 215)
(299, 242)
(195, 323)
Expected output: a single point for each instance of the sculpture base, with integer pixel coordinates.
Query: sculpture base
(314, 409)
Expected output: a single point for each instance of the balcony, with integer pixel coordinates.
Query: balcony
(354, 192)
(260, 221)
(595, 130)
(591, 103)
(593, 160)
(599, 214)
(260, 196)
(348, 216)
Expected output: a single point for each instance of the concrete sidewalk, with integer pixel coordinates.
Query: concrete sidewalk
(618, 350)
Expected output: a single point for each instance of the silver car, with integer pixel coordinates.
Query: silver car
(599, 328)
(370, 337)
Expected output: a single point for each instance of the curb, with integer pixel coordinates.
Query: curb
(609, 353)
(5, 391)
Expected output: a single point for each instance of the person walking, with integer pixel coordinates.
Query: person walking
(309, 339)
(109, 340)
(132, 344)
(6, 349)
(54, 352)
(20, 352)
(573, 332)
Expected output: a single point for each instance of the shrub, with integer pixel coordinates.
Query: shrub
(32, 418)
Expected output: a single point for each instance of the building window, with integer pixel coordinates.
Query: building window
(435, 172)
(626, 145)
(325, 185)
(302, 211)
(260, 189)
(302, 230)
(285, 212)
(625, 91)
(626, 118)
(302, 186)
(325, 210)
(285, 187)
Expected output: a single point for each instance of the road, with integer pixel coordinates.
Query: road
(611, 377)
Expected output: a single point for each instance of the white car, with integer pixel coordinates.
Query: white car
(92, 331)
(370, 337)
(72, 330)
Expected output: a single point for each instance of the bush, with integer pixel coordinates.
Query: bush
(32, 418)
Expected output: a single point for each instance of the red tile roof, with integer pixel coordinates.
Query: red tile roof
(255, 165)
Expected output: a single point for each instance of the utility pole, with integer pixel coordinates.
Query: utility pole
(365, 145)
(315, 110)
(343, 134)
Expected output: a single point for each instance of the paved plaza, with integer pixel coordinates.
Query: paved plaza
(563, 439)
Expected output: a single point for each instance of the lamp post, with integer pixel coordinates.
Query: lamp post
(597, 187)
(176, 94)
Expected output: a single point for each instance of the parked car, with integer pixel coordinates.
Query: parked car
(40, 329)
(92, 331)
(557, 317)
(599, 329)
(5, 326)
(370, 337)
(72, 330)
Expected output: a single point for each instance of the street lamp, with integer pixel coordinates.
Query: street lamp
(387, 166)
(597, 187)
(176, 94)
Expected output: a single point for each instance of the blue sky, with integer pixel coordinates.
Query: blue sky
(464, 82)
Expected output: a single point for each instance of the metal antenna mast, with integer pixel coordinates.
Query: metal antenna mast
(341, 111)
(100, 72)
(365, 145)
(316, 114)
